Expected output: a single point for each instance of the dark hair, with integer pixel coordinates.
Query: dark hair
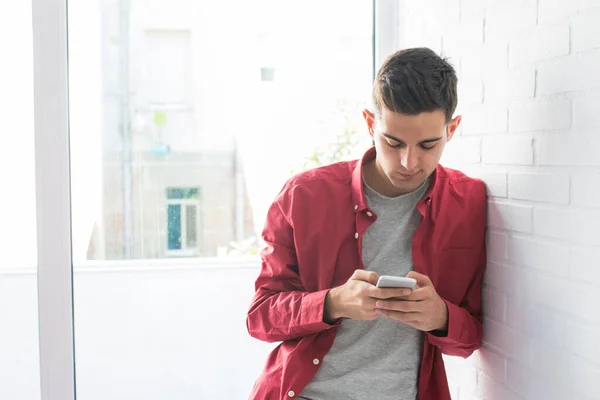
(415, 80)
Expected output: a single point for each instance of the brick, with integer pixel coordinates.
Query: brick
(578, 299)
(494, 305)
(513, 84)
(583, 341)
(467, 384)
(507, 150)
(497, 245)
(537, 116)
(451, 50)
(518, 377)
(555, 368)
(585, 189)
(552, 223)
(504, 279)
(461, 150)
(530, 384)
(420, 28)
(545, 359)
(487, 59)
(532, 253)
(471, 10)
(502, 20)
(495, 182)
(446, 13)
(574, 225)
(470, 91)
(471, 31)
(493, 363)
(505, 339)
(584, 375)
(535, 320)
(569, 73)
(510, 216)
(539, 43)
(552, 10)
(491, 389)
(576, 150)
(584, 264)
(484, 119)
(585, 111)
(585, 31)
(548, 188)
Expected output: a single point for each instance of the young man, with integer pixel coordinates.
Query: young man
(332, 231)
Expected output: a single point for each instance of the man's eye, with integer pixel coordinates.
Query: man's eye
(394, 146)
(427, 147)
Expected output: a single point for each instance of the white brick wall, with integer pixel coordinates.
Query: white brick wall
(529, 73)
(507, 149)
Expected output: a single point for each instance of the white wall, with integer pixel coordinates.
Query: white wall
(529, 93)
(142, 331)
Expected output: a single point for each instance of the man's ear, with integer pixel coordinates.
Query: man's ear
(370, 120)
(453, 125)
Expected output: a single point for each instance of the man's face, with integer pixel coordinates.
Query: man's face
(408, 147)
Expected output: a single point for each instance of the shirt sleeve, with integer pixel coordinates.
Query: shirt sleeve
(465, 329)
(281, 308)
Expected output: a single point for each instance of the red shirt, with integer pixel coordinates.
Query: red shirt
(313, 237)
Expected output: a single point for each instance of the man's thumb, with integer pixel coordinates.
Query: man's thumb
(422, 280)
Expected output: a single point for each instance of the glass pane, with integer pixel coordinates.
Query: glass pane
(187, 117)
(191, 226)
(174, 226)
(181, 193)
(19, 350)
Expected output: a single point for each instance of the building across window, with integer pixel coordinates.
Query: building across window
(183, 221)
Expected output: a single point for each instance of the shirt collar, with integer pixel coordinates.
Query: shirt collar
(358, 193)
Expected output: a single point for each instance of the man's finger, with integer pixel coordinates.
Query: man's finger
(366, 276)
(407, 318)
(399, 305)
(421, 294)
(422, 280)
(389, 293)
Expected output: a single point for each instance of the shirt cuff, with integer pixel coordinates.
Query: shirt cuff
(453, 331)
(313, 310)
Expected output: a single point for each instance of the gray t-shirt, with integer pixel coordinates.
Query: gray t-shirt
(377, 359)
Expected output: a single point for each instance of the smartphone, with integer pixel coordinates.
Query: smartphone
(387, 281)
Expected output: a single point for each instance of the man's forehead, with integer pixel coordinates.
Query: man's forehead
(403, 124)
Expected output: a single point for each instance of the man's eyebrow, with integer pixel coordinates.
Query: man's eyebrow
(387, 135)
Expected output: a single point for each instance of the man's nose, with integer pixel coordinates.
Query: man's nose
(409, 159)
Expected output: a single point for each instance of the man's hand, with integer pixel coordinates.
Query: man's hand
(356, 298)
(423, 309)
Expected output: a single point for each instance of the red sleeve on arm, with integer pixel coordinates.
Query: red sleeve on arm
(281, 309)
(465, 328)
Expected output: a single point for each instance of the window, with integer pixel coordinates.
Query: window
(186, 119)
(183, 221)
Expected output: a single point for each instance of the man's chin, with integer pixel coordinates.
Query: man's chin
(404, 186)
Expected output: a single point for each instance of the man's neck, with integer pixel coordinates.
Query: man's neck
(377, 180)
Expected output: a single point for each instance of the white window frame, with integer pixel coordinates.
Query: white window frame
(51, 113)
(53, 200)
(388, 23)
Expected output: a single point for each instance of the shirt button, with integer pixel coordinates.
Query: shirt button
(369, 213)
(291, 393)
(316, 361)
(356, 207)
(356, 235)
